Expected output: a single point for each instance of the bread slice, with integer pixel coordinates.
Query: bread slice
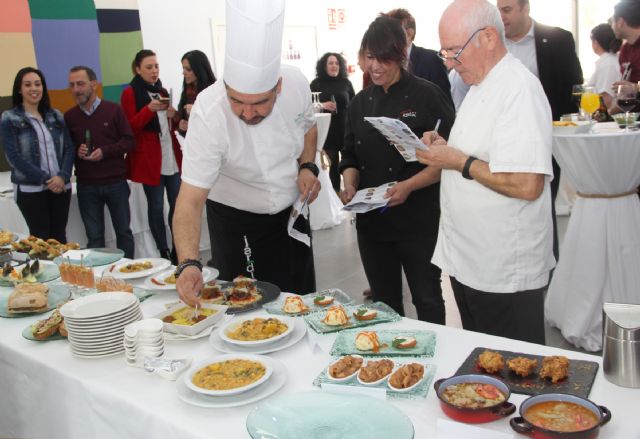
(44, 329)
(404, 342)
(62, 329)
(26, 298)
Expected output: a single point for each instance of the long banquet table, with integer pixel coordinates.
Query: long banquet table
(48, 393)
(601, 249)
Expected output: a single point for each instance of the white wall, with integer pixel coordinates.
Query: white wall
(173, 27)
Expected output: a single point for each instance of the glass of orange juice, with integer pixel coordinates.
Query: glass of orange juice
(88, 281)
(590, 101)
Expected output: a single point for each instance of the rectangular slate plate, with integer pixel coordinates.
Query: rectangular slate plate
(579, 382)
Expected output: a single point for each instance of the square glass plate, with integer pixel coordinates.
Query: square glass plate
(341, 298)
(419, 391)
(425, 346)
(385, 314)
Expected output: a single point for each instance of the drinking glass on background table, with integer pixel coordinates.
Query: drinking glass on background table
(590, 101)
(626, 100)
(576, 95)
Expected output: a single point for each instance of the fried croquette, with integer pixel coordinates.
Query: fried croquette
(490, 361)
(555, 367)
(522, 366)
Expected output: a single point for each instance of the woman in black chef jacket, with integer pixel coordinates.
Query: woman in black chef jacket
(403, 235)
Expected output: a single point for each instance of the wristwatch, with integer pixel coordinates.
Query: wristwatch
(187, 263)
(311, 167)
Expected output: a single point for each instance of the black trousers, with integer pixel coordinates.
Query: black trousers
(277, 258)
(383, 262)
(46, 213)
(555, 186)
(519, 315)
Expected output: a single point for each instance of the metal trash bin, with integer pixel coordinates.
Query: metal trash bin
(621, 344)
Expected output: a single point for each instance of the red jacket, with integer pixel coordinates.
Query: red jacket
(144, 162)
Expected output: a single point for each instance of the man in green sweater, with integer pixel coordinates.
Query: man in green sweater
(102, 137)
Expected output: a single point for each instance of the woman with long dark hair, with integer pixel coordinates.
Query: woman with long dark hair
(198, 75)
(155, 162)
(335, 93)
(40, 151)
(403, 236)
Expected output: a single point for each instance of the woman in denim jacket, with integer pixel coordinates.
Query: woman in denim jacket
(40, 152)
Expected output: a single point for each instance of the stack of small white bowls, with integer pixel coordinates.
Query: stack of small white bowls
(143, 339)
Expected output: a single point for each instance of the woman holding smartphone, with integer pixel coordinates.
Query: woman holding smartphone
(39, 150)
(198, 75)
(155, 162)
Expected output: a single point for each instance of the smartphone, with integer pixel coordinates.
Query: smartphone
(164, 100)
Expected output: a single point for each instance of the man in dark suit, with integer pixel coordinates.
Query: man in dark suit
(423, 63)
(550, 54)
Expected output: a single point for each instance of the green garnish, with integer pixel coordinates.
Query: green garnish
(361, 311)
(397, 342)
(319, 299)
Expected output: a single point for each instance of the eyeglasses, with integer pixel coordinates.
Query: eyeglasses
(443, 54)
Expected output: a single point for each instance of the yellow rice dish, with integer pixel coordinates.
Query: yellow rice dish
(258, 329)
(229, 374)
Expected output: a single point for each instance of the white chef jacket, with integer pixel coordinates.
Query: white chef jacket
(607, 72)
(251, 168)
(488, 241)
(525, 50)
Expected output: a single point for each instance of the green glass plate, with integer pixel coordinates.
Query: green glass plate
(96, 257)
(26, 333)
(57, 294)
(425, 346)
(419, 391)
(385, 314)
(321, 414)
(47, 273)
(341, 298)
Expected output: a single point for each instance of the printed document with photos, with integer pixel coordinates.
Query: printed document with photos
(369, 199)
(399, 134)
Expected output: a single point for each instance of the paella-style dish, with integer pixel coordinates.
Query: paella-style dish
(186, 316)
(230, 374)
(258, 329)
(135, 267)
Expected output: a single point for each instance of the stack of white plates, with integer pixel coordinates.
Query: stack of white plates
(96, 323)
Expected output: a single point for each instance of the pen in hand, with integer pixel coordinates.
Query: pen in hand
(434, 134)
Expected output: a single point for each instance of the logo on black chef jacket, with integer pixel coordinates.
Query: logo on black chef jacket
(407, 113)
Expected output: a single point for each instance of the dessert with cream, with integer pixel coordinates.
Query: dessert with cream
(336, 316)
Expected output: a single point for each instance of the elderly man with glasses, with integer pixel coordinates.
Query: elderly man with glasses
(495, 238)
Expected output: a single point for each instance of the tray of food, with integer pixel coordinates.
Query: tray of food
(294, 305)
(28, 272)
(338, 317)
(241, 295)
(531, 374)
(138, 268)
(400, 377)
(386, 342)
(32, 298)
(41, 249)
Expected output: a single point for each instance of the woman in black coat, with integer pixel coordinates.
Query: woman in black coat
(335, 93)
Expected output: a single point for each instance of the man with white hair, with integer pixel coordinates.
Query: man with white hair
(495, 238)
(249, 154)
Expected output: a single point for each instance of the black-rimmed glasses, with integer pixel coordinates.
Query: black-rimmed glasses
(443, 54)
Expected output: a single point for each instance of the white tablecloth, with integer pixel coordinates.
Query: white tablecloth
(145, 246)
(46, 392)
(325, 211)
(601, 249)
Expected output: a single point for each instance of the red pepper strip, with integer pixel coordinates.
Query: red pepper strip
(157, 282)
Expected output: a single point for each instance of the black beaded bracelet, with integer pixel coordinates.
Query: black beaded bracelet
(187, 263)
(467, 166)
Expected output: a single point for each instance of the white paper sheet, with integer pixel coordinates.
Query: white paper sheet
(399, 134)
(299, 208)
(369, 199)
